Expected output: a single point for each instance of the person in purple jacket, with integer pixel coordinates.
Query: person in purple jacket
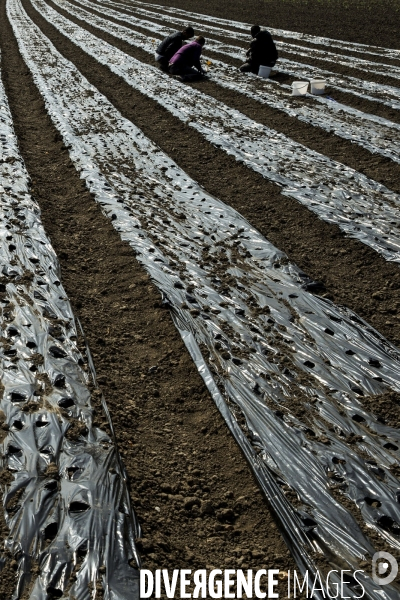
(185, 63)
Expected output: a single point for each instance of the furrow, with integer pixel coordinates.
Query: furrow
(360, 206)
(368, 90)
(66, 516)
(257, 336)
(317, 40)
(310, 53)
(374, 133)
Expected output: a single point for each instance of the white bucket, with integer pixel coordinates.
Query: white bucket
(299, 88)
(264, 71)
(318, 86)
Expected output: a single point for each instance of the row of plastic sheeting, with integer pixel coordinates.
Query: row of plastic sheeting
(368, 90)
(369, 66)
(362, 207)
(310, 39)
(69, 528)
(378, 135)
(372, 91)
(287, 370)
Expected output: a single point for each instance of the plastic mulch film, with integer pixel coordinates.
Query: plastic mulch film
(66, 525)
(378, 135)
(289, 371)
(311, 39)
(363, 208)
(368, 90)
(354, 62)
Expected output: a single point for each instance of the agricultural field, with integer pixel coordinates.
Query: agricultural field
(199, 291)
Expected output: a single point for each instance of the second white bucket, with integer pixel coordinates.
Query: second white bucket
(299, 88)
(264, 71)
(318, 86)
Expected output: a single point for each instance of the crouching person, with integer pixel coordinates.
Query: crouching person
(262, 51)
(172, 44)
(185, 63)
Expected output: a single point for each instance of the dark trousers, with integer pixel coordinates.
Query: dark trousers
(188, 73)
(251, 67)
(163, 62)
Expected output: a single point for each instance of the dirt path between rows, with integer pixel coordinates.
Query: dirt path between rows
(190, 485)
(368, 22)
(315, 60)
(354, 275)
(369, 106)
(376, 167)
(360, 53)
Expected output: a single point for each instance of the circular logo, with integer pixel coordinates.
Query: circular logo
(380, 569)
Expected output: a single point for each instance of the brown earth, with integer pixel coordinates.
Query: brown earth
(190, 485)
(376, 167)
(368, 22)
(278, 73)
(354, 275)
(315, 60)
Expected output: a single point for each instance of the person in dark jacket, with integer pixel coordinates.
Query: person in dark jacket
(185, 63)
(262, 51)
(172, 44)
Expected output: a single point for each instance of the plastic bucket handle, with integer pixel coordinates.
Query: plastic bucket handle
(299, 88)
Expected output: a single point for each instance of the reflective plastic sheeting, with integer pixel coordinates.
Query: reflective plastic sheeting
(354, 62)
(67, 515)
(378, 135)
(369, 90)
(311, 39)
(288, 370)
(361, 207)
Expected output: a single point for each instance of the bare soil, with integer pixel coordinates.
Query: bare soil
(344, 151)
(278, 73)
(190, 486)
(353, 274)
(371, 22)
